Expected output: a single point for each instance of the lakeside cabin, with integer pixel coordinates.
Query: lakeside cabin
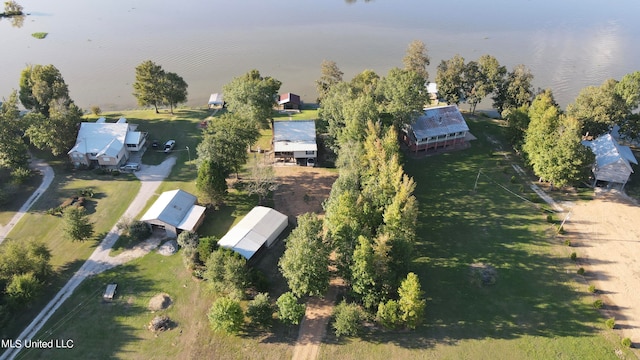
(613, 161)
(441, 127)
(295, 141)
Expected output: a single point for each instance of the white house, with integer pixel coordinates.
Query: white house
(438, 128)
(106, 144)
(262, 225)
(295, 141)
(175, 211)
(613, 161)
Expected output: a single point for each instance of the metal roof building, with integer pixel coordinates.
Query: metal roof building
(175, 210)
(438, 127)
(613, 161)
(262, 225)
(294, 139)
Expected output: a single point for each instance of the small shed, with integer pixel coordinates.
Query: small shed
(110, 292)
(289, 101)
(260, 227)
(613, 161)
(175, 211)
(216, 101)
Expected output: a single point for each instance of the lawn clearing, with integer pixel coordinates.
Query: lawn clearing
(19, 194)
(537, 309)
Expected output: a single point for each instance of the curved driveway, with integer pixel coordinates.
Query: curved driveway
(150, 178)
(47, 178)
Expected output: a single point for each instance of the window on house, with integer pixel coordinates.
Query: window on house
(309, 152)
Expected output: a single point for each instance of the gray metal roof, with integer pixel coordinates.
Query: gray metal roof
(437, 121)
(291, 135)
(171, 207)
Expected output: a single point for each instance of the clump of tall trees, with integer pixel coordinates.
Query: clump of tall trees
(156, 87)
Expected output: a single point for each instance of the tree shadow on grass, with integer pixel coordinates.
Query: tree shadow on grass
(98, 327)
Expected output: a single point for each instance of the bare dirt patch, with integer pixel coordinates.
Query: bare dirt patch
(160, 302)
(302, 189)
(605, 234)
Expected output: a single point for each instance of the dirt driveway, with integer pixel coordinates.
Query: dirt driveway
(302, 189)
(606, 235)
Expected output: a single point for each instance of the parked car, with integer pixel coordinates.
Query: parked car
(168, 146)
(155, 144)
(130, 167)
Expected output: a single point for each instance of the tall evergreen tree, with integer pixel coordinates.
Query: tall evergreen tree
(211, 182)
(411, 303)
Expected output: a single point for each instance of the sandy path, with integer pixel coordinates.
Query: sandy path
(150, 178)
(606, 236)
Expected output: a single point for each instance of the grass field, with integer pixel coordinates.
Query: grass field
(538, 308)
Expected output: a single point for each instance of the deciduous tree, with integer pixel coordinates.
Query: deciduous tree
(58, 132)
(77, 225)
(260, 310)
(599, 108)
(330, 75)
(411, 303)
(17, 257)
(41, 86)
(22, 289)
(211, 182)
(305, 260)
(226, 141)
(289, 310)
(417, 59)
(450, 80)
(149, 84)
(347, 319)
(252, 96)
(402, 95)
(174, 90)
(515, 91)
(226, 315)
(13, 150)
(227, 272)
(262, 182)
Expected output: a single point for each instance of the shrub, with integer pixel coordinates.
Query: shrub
(259, 280)
(95, 110)
(626, 342)
(388, 314)
(260, 310)
(567, 242)
(188, 239)
(22, 289)
(289, 311)
(139, 230)
(598, 304)
(226, 315)
(206, 246)
(561, 230)
(549, 218)
(610, 323)
(513, 179)
(580, 271)
(574, 256)
(347, 319)
(592, 289)
(20, 175)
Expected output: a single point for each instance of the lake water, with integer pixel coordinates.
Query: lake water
(567, 44)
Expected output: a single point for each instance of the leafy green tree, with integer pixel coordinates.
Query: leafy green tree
(450, 79)
(148, 87)
(174, 90)
(22, 289)
(13, 150)
(402, 95)
(211, 182)
(206, 246)
(305, 262)
(252, 97)
(411, 303)
(492, 72)
(226, 141)
(515, 90)
(628, 88)
(139, 230)
(417, 59)
(77, 225)
(41, 86)
(344, 224)
(289, 310)
(347, 319)
(188, 239)
(58, 132)
(517, 123)
(12, 8)
(330, 76)
(365, 274)
(226, 315)
(227, 272)
(365, 82)
(17, 257)
(481, 78)
(260, 310)
(599, 108)
(389, 315)
(552, 143)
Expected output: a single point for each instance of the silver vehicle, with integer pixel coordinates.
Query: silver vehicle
(168, 146)
(130, 167)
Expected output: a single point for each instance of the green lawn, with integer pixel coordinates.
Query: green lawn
(538, 309)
